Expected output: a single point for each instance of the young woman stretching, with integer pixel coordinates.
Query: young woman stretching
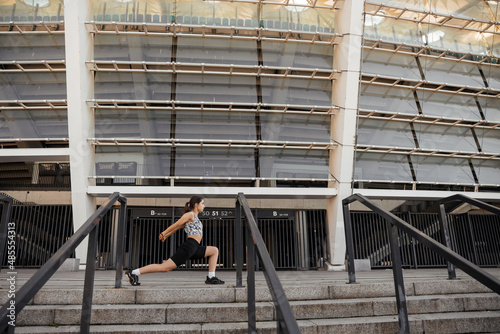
(190, 249)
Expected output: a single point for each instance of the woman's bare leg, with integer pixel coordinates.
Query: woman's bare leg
(155, 268)
(213, 255)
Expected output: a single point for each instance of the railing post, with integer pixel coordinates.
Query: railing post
(4, 223)
(285, 315)
(238, 244)
(35, 283)
(281, 328)
(252, 327)
(397, 270)
(349, 243)
(88, 287)
(120, 242)
(445, 233)
(397, 223)
(12, 329)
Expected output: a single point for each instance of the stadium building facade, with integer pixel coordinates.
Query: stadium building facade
(296, 103)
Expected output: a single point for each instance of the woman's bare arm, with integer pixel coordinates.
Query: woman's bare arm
(187, 217)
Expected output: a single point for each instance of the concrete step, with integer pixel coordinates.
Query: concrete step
(230, 312)
(144, 295)
(437, 306)
(387, 306)
(456, 322)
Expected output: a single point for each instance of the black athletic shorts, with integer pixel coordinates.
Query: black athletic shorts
(190, 249)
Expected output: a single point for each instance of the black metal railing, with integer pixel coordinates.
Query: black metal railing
(35, 283)
(285, 318)
(473, 236)
(38, 231)
(5, 229)
(444, 222)
(396, 223)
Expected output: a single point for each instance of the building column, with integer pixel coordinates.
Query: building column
(79, 85)
(347, 58)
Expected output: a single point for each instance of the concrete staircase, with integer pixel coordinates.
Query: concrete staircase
(442, 306)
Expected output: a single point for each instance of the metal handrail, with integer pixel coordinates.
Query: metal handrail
(284, 316)
(473, 201)
(39, 278)
(443, 221)
(397, 223)
(4, 224)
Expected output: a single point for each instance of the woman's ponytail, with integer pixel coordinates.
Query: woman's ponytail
(191, 203)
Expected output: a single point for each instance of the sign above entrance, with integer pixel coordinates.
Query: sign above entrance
(217, 214)
(152, 213)
(271, 213)
(157, 212)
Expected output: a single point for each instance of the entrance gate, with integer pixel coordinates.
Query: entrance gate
(296, 239)
(280, 229)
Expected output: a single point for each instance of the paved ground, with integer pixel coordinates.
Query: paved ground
(195, 279)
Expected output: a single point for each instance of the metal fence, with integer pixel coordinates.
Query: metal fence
(296, 239)
(477, 238)
(40, 231)
(312, 241)
(146, 248)
(107, 234)
(474, 236)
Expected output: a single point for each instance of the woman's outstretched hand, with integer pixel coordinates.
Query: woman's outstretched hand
(161, 237)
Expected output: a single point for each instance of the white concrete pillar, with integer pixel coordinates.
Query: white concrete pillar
(347, 58)
(79, 85)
